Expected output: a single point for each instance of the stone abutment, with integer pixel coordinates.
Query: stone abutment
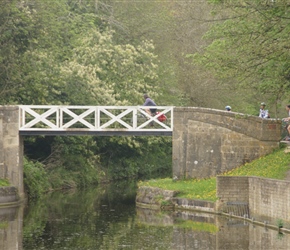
(11, 148)
(208, 142)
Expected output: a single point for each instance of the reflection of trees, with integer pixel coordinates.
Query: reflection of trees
(101, 218)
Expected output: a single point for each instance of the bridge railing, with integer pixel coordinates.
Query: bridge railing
(94, 118)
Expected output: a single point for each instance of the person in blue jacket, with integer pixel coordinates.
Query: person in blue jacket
(149, 102)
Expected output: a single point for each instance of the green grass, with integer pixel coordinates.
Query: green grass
(4, 183)
(273, 166)
(197, 226)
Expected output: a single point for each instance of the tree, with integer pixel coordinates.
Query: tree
(249, 47)
(67, 54)
(107, 73)
(16, 29)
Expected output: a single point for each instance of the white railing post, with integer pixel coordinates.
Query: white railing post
(58, 117)
(23, 117)
(96, 118)
(134, 118)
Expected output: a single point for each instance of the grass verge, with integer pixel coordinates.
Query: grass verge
(274, 165)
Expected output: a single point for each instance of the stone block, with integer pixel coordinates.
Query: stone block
(11, 153)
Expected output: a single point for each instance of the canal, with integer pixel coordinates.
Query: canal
(106, 217)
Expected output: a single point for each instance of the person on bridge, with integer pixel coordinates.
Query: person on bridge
(287, 120)
(149, 102)
(228, 108)
(263, 112)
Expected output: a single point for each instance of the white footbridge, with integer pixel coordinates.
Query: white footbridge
(95, 120)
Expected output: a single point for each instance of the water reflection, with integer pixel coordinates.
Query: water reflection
(11, 228)
(106, 218)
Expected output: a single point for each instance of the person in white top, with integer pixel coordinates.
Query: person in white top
(263, 112)
(228, 108)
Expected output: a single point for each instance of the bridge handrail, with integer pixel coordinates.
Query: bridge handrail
(93, 118)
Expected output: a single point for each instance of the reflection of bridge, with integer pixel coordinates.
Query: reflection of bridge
(205, 142)
(94, 120)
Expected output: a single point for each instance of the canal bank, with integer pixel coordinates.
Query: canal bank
(257, 200)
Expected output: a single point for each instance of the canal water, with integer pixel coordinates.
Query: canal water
(106, 217)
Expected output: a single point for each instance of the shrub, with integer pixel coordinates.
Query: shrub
(36, 180)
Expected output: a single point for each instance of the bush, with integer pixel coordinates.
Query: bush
(36, 180)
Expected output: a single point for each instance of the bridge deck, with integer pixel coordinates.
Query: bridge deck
(95, 120)
(98, 133)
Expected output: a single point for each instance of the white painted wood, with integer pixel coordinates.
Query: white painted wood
(93, 118)
(77, 118)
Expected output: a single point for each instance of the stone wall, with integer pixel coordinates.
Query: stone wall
(11, 147)
(151, 197)
(267, 198)
(207, 142)
(232, 189)
(156, 198)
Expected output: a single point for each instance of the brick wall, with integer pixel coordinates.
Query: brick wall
(231, 189)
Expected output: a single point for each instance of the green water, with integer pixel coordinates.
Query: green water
(106, 218)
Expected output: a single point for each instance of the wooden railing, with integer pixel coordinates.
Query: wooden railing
(38, 119)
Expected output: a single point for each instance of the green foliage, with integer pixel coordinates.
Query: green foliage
(142, 157)
(163, 23)
(107, 73)
(70, 161)
(274, 165)
(280, 223)
(249, 48)
(64, 54)
(67, 53)
(36, 179)
(15, 31)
